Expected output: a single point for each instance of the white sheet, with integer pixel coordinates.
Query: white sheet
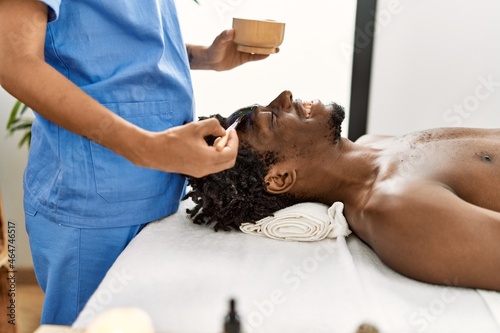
(183, 275)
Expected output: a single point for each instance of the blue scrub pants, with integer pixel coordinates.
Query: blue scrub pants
(71, 262)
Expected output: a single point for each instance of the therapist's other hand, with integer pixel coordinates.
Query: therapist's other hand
(183, 149)
(221, 55)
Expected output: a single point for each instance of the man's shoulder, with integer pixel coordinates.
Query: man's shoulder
(398, 202)
(371, 139)
(398, 198)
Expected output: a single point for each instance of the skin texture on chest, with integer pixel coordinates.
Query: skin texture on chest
(464, 161)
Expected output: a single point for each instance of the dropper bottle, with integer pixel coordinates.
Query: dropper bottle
(232, 320)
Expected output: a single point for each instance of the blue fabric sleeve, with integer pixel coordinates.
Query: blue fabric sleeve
(53, 6)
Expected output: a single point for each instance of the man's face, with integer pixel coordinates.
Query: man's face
(291, 128)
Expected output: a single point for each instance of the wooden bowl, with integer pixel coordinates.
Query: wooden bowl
(258, 36)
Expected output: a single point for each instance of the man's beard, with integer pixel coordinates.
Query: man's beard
(336, 117)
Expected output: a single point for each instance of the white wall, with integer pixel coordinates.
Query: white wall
(312, 62)
(431, 61)
(12, 162)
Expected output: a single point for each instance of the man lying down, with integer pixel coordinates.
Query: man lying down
(428, 203)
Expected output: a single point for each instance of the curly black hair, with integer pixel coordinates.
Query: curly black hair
(237, 195)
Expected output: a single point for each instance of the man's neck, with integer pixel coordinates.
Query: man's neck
(348, 175)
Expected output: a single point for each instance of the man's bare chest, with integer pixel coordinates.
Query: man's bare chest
(470, 167)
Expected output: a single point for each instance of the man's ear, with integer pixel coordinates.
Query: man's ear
(280, 181)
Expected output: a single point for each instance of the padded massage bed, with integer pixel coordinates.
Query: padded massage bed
(183, 276)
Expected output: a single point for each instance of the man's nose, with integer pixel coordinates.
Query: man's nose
(283, 101)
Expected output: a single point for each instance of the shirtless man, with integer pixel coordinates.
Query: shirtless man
(428, 203)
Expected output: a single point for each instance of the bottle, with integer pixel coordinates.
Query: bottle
(232, 320)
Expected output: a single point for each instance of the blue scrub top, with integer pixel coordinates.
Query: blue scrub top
(129, 55)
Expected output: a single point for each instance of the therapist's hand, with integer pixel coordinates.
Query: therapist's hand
(221, 55)
(183, 149)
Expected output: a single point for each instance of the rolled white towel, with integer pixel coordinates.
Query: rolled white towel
(303, 222)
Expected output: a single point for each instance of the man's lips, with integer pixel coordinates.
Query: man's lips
(307, 105)
(306, 108)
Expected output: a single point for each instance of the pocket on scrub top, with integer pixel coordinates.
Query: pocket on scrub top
(30, 212)
(118, 179)
(29, 209)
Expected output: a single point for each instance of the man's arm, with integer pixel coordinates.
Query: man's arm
(428, 233)
(25, 75)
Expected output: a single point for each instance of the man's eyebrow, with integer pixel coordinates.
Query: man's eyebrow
(244, 113)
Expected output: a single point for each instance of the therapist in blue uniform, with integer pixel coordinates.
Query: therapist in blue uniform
(110, 85)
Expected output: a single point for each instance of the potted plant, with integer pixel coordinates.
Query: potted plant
(18, 121)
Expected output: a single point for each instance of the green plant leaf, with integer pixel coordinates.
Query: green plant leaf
(18, 123)
(13, 114)
(23, 124)
(26, 139)
(23, 109)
